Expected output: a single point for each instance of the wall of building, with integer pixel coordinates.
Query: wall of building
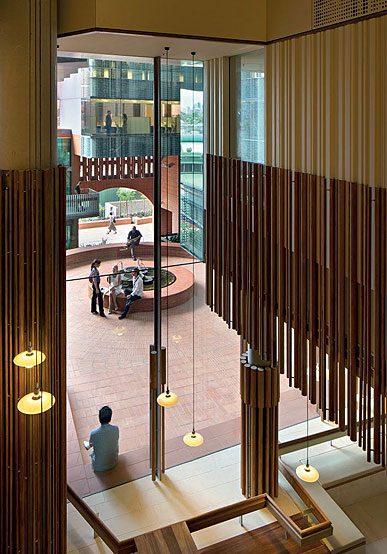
(247, 21)
(69, 95)
(326, 102)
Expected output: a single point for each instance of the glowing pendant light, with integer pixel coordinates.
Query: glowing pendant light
(193, 438)
(167, 398)
(29, 358)
(36, 402)
(307, 473)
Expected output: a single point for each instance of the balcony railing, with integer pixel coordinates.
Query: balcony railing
(99, 169)
(82, 205)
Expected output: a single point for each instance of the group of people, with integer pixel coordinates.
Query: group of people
(115, 287)
(109, 122)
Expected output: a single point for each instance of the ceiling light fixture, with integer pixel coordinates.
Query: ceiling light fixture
(167, 398)
(306, 472)
(29, 358)
(36, 402)
(193, 438)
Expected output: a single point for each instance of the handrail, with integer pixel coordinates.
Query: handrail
(311, 534)
(126, 546)
(302, 493)
(219, 515)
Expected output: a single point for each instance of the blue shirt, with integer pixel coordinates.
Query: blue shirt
(95, 273)
(104, 441)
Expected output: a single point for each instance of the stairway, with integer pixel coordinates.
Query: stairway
(269, 539)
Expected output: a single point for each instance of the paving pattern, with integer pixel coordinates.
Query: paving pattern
(108, 364)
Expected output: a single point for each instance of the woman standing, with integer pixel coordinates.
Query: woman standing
(95, 279)
(112, 221)
(114, 281)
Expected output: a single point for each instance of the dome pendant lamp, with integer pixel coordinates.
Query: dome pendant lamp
(167, 398)
(306, 472)
(193, 438)
(36, 402)
(29, 358)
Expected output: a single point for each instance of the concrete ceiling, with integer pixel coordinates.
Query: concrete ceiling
(140, 46)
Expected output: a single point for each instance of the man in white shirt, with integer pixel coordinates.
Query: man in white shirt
(133, 294)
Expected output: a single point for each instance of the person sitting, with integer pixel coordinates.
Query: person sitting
(134, 238)
(133, 294)
(114, 281)
(104, 442)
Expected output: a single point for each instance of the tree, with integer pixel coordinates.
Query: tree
(126, 194)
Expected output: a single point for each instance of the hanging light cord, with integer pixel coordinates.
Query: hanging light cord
(307, 427)
(193, 239)
(166, 48)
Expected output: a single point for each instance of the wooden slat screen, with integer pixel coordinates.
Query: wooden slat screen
(129, 167)
(32, 283)
(296, 264)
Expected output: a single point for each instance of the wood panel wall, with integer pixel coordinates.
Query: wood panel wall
(260, 393)
(32, 284)
(326, 103)
(296, 264)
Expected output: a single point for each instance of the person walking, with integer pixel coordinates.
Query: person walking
(114, 281)
(112, 221)
(133, 294)
(95, 279)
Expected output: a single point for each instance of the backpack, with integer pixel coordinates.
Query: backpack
(91, 276)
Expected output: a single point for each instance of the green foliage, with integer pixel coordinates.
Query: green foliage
(126, 194)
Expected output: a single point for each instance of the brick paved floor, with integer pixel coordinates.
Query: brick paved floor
(108, 364)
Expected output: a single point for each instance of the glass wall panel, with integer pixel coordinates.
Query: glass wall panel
(191, 163)
(247, 78)
(108, 357)
(64, 158)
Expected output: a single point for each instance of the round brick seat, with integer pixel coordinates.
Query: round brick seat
(178, 292)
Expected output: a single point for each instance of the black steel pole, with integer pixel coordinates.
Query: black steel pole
(157, 239)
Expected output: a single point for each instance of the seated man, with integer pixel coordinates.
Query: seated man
(104, 442)
(134, 238)
(133, 294)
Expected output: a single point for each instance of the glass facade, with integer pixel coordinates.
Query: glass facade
(191, 166)
(63, 154)
(247, 78)
(117, 107)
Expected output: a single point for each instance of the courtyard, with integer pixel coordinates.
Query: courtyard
(108, 363)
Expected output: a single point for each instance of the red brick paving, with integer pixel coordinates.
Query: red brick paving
(108, 364)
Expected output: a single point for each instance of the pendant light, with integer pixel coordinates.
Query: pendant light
(36, 402)
(29, 358)
(193, 438)
(167, 398)
(306, 472)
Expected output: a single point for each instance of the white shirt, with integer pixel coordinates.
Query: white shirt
(138, 286)
(115, 283)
